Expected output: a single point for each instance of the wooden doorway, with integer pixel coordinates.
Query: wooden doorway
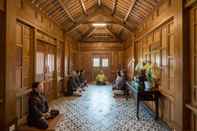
(45, 68)
(101, 62)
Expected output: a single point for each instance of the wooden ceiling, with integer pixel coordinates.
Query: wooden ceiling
(77, 16)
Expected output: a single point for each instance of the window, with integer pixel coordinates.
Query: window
(100, 62)
(96, 62)
(39, 63)
(105, 62)
(51, 61)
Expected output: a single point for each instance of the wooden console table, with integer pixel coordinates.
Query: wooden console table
(152, 95)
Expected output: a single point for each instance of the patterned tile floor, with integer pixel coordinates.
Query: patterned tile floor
(98, 110)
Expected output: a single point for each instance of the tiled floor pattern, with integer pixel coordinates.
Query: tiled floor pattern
(98, 110)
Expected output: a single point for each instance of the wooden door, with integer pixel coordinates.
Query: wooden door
(101, 62)
(45, 68)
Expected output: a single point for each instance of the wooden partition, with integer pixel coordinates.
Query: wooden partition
(158, 48)
(158, 40)
(42, 54)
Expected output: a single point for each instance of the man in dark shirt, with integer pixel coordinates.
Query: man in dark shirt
(74, 85)
(82, 78)
(38, 107)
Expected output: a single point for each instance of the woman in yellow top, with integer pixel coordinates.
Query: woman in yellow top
(101, 78)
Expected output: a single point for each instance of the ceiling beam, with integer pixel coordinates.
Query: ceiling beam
(129, 11)
(83, 18)
(67, 12)
(114, 6)
(83, 6)
(87, 33)
(94, 11)
(107, 13)
(114, 35)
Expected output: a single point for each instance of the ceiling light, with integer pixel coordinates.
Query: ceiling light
(99, 24)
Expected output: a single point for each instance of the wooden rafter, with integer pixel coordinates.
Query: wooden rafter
(142, 14)
(129, 11)
(143, 7)
(83, 6)
(54, 13)
(54, 9)
(114, 6)
(83, 18)
(67, 12)
(146, 4)
(114, 35)
(151, 2)
(44, 2)
(48, 7)
(87, 33)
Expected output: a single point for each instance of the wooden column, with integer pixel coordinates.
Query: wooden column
(9, 65)
(186, 69)
(179, 79)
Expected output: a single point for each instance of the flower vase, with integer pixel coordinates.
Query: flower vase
(148, 85)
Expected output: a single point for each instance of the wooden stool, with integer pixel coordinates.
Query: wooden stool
(51, 122)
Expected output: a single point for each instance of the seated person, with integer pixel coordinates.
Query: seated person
(101, 78)
(77, 78)
(118, 83)
(38, 108)
(82, 78)
(73, 85)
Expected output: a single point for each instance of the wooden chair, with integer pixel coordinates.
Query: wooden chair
(52, 124)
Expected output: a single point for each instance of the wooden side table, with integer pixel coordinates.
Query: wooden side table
(152, 95)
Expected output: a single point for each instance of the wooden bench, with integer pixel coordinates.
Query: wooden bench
(52, 124)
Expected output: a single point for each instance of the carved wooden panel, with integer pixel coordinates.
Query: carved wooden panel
(27, 57)
(24, 68)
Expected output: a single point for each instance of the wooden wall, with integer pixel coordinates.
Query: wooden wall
(129, 56)
(190, 32)
(71, 57)
(159, 40)
(22, 28)
(113, 50)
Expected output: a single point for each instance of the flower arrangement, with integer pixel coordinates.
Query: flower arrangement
(148, 73)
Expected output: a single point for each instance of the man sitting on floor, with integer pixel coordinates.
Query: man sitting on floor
(101, 78)
(38, 108)
(119, 84)
(82, 78)
(74, 85)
